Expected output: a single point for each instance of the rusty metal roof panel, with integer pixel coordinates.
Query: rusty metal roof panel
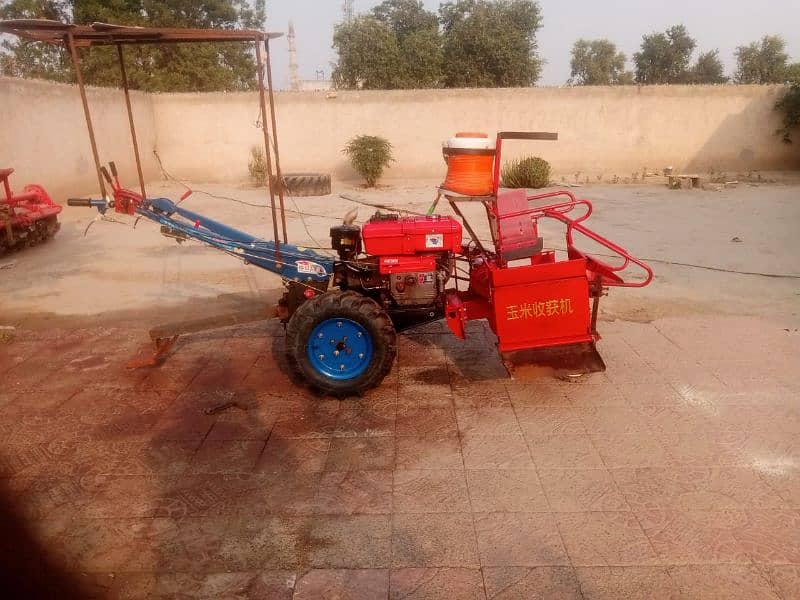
(99, 34)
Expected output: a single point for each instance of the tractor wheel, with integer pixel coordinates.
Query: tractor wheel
(306, 184)
(342, 343)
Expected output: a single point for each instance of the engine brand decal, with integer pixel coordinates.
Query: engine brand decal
(532, 310)
(310, 268)
(434, 240)
(391, 261)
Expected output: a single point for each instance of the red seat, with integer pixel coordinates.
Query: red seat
(517, 237)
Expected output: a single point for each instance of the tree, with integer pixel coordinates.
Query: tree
(418, 41)
(396, 45)
(793, 73)
(405, 17)
(597, 62)
(369, 56)
(399, 45)
(789, 104)
(764, 61)
(708, 69)
(664, 57)
(490, 44)
(178, 67)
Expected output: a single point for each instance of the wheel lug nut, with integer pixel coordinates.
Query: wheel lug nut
(322, 357)
(336, 353)
(341, 367)
(321, 335)
(338, 323)
(359, 334)
(360, 355)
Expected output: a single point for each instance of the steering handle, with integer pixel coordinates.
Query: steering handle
(527, 135)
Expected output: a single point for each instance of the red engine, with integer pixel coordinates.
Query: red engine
(411, 235)
(408, 259)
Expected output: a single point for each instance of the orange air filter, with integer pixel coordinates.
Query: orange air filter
(470, 158)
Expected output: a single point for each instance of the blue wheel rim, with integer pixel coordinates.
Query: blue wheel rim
(340, 349)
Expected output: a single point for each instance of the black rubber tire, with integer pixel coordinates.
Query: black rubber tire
(349, 305)
(306, 184)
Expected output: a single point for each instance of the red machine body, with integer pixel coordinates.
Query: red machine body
(28, 218)
(532, 300)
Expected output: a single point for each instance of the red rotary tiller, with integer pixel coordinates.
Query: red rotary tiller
(26, 219)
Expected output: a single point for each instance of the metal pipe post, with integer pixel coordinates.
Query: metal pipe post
(124, 75)
(76, 64)
(278, 176)
(268, 156)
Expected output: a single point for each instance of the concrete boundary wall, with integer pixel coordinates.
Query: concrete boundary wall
(604, 131)
(43, 135)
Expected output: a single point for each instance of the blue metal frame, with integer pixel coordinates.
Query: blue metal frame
(296, 263)
(339, 348)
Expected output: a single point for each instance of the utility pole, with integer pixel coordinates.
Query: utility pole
(349, 11)
(294, 81)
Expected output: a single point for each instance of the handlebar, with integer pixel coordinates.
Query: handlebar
(514, 135)
(113, 168)
(527, 135)
(106, 176)
(597, 265)
(101, 205)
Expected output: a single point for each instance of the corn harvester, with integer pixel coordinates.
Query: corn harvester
(342, 312)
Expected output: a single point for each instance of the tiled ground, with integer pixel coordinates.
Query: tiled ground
(676, 474)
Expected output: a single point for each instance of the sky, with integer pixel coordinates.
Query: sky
(722, 24)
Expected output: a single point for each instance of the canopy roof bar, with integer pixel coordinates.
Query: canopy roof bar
(105, 34)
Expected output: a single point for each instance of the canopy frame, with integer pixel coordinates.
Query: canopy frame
(72, 37)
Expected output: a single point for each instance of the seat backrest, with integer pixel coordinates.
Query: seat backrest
(514, 231)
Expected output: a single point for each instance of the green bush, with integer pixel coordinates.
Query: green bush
(369, 155)
(789, 105)
(530, 172)
(257, 166)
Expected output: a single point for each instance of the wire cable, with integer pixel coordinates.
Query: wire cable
(379, 206)
(167, 175)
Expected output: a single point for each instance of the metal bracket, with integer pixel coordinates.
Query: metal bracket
(166, 336)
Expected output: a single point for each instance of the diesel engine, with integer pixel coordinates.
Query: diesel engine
(402, 262)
